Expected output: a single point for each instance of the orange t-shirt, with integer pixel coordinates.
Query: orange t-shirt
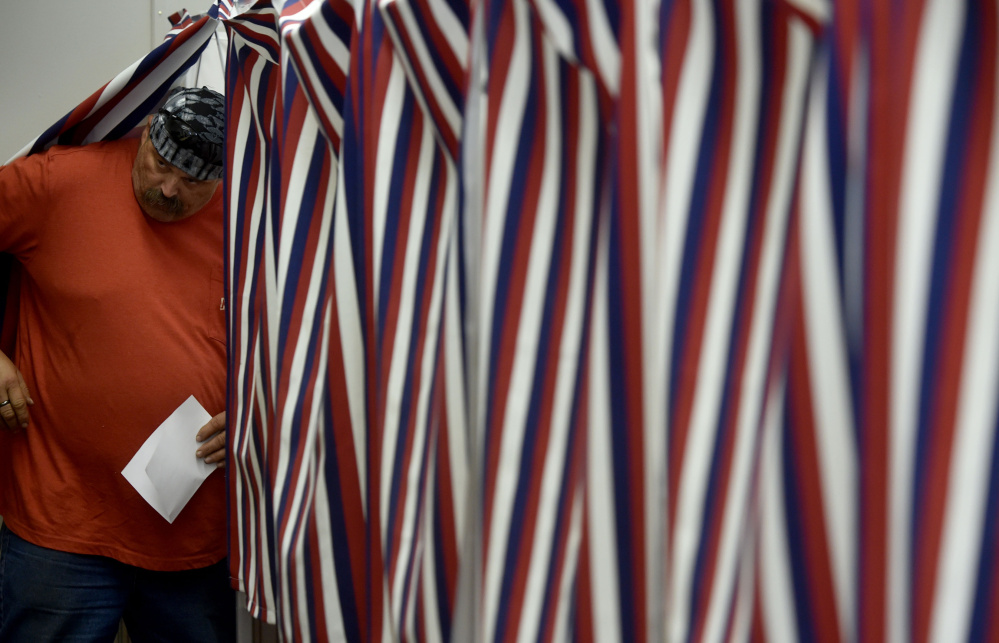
(121, 319)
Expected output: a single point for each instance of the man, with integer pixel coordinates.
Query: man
(122, 318)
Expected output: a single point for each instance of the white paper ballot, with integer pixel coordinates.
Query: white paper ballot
(165, 470)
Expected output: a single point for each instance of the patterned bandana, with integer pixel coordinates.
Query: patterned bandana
(189, 132)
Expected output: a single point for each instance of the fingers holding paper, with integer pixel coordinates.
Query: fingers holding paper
(162, 470)
(212, 438)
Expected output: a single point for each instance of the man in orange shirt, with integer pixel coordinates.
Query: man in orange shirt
(119, 247)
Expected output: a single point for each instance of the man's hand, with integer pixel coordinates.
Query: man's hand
(14, 396)
(212, 437)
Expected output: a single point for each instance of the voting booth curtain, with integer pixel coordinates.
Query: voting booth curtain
(607, 320)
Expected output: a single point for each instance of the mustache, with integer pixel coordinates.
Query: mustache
(155, 197)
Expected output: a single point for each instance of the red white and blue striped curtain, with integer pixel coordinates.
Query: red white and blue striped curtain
(606, 320)
(120, 107)
(879, 470)
(291, 502)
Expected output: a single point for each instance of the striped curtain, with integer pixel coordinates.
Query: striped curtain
(120, 107)
(879, 466)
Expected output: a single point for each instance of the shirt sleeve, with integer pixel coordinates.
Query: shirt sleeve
(26, 193)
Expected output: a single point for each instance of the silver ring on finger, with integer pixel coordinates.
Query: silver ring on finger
(4, 403)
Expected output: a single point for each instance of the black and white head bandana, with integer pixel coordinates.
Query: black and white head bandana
(189, 132)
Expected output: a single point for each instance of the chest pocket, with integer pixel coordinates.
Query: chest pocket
(216, 306)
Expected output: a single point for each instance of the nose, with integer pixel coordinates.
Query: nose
(170, 186)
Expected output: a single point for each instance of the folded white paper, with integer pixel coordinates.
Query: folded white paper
(165, 470)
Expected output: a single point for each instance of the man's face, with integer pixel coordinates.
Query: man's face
(163, 191)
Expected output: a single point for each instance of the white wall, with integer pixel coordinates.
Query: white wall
(55, 53)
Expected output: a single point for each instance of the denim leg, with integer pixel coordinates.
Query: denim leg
(49, 595)
(196, 605)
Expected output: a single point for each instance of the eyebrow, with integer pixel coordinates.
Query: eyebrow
(160, 158)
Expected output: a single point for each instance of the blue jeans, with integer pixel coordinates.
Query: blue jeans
(49, 595)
